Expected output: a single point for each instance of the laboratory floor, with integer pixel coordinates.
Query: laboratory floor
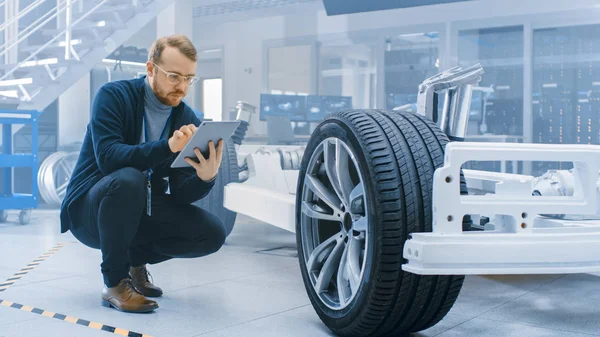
(251, 287)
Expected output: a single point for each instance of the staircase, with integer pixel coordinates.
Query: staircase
(48, 45)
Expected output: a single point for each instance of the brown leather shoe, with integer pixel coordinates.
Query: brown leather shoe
(125, 298)
(140, 277)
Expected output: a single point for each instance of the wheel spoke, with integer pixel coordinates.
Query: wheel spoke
(343, 173)
(331, 167)
(361, 224)
(62, 189)
(331, 265)
(323, 193)
(313, 260)
(344, 292)
(307, 209)
(352, 263)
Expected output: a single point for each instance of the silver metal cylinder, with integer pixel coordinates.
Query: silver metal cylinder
(245, 111)
(444, 115)
(458, 118)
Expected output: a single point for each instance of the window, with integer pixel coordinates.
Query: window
(347, 72)
(212, 99)
(409, 60)
(500, 52)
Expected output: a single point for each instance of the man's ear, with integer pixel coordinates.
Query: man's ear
(149, 69)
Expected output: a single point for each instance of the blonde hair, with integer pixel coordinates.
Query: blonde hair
(181, 42)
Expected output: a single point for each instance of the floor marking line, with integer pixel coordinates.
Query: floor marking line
(65, 318)
(31, 266)
(72, 320)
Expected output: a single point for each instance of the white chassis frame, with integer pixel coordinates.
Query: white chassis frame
(518, 240)
(515, 241)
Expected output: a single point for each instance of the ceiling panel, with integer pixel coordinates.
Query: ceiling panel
(237, 6)
(337, 7)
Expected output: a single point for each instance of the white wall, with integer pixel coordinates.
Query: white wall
(144, 37)
(243, 40)
(74, 112)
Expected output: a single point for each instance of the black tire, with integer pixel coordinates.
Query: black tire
(397, 153)
(228, 173)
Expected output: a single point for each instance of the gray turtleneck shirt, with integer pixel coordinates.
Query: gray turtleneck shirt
(157, 114)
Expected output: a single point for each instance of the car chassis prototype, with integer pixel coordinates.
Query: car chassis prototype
(388, 222)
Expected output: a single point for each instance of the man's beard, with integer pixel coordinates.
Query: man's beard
(170, 99)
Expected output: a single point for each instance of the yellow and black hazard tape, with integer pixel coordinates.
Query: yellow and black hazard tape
(71, 319)
(11, 280)
(94, 325)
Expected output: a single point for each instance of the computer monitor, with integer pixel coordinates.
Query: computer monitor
(318, 107)
(290, 106)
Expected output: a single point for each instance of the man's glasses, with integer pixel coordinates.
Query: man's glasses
(174, 78)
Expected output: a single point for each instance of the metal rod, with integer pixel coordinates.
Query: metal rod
(28, 27)
(34, 153)
(68, 31)
(33, 31)
(52, 40)
(24, 12)
(7, 150)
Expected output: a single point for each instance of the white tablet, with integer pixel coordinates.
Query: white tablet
(206, 132)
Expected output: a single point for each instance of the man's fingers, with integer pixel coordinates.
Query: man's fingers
(193, 128)
(187, 131)
(211, 150)
(200, 156)
(220, 151)
(178, 134)
(192, 163)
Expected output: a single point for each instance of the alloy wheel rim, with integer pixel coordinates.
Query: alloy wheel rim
(333, 193)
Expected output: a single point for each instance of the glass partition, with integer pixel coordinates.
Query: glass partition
(409, 60)
(566, 88)
(349, 70)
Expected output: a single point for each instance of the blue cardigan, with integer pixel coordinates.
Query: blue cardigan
(112, 142)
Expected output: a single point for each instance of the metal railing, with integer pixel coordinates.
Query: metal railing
(64, 24)
(25, 30)
(21, 14)
(34, 27)
(68, 45)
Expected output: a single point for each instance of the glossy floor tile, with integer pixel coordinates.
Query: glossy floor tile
(253, 287)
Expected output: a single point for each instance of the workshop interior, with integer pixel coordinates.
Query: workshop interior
(399, 168)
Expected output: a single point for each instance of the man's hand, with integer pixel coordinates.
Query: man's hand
(181, 137)
(208, 168)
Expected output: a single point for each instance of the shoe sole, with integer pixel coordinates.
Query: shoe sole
(107, 304)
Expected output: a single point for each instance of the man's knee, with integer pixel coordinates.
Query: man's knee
(212, 239)
(128, 180)
(218, 239)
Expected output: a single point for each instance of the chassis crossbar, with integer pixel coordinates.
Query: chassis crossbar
(493, 253)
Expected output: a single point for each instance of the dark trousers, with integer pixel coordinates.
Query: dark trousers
(112, 217)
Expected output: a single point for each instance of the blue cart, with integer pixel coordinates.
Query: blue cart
(10, 160)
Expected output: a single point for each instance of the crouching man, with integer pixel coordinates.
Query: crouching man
(123, 198)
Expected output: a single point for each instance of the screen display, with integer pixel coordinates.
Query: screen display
(290, 106)
(318, 107)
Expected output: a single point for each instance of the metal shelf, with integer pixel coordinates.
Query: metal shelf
(8, 161)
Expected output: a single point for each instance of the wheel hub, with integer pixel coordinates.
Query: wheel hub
(347, 223)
